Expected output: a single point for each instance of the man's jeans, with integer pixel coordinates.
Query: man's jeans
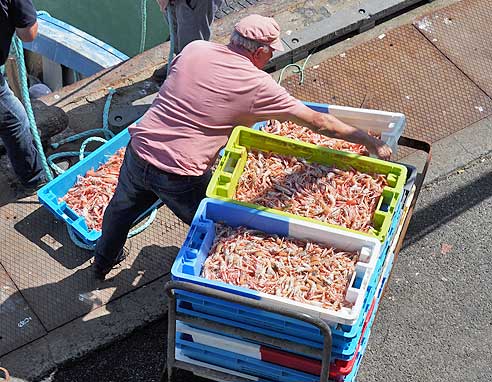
(192, 20)
(17, 138)
(140, 185)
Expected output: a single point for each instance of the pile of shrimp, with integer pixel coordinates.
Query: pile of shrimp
(286, 267)
(291, 130)
(347, 198)
(92, 192)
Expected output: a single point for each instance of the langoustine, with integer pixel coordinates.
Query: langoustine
(92, 192)
(299, 270)
(291, 130)
(347, 198)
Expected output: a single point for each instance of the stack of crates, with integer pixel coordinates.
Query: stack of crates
(351, 327)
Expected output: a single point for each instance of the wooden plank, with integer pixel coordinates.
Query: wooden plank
(13, 76)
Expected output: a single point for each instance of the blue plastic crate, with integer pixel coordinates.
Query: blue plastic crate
(258, 368)
(271, 324)
(255, 367)
(349, 378)
(50, 194)
(342, 347)
(345, 337)
(195, 250)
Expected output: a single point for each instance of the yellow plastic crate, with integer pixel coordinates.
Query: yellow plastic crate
(243, 139)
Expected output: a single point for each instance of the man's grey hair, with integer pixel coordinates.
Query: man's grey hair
(240, 41)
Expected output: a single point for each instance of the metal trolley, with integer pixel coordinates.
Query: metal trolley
(172, 364)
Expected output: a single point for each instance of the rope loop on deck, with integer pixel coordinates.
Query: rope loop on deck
(6, 374)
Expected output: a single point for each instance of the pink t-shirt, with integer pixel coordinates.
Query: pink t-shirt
(210, 89)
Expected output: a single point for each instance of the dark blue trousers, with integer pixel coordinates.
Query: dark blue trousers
(17, 138)
(140, 185)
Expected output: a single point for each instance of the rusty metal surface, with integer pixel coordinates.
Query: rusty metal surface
(18, 323)
(462, 32)
(54, 275)
(230, 6)
(401, 72)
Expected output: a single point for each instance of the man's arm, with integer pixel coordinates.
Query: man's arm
(27, 34)
(273, 102)
(330, 126)
(24, 19)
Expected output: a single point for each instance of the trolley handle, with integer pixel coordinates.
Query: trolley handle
(256, 304)
(421, 146)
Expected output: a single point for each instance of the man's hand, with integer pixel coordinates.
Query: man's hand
(162, 4)
(381, 149)
(27, 34)
(327, 124)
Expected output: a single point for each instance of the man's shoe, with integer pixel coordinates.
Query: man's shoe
(101, 272)
(24, 191)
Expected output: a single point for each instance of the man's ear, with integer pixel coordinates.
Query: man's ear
(256, 53)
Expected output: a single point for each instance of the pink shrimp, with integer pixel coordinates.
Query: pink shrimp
(91, 194)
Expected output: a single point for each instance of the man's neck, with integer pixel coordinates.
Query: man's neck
(242, 51)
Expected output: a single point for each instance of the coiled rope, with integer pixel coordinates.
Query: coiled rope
(21, 69)
(48, 163)
(300, 70)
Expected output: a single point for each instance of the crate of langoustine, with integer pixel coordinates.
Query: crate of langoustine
(388, 126)
(320, 270)
(80, 195)
(345, 337)
(343, 348)
(302, 180)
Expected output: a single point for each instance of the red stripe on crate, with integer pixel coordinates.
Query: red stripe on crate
(343, 368)
(337, 369)
(292, 361)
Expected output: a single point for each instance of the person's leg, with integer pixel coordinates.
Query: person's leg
(160, 74)
(17, 138)
(174, 20)
(182, 194)
(194, 20)
(129, 201)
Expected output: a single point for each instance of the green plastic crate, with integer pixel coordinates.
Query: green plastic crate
(243, 139)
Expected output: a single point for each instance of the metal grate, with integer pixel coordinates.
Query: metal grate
(19, 324)
(53, 274)
(399, 71)
(462, 33)
(230, 6)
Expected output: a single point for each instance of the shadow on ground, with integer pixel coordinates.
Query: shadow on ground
(448, 207)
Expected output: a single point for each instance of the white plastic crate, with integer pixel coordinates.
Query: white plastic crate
(387, 124)
(188, 264)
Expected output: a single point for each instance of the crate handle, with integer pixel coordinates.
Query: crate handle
(68, 214)
(229, 164)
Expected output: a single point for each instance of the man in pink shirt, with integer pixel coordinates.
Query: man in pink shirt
(210, 89)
